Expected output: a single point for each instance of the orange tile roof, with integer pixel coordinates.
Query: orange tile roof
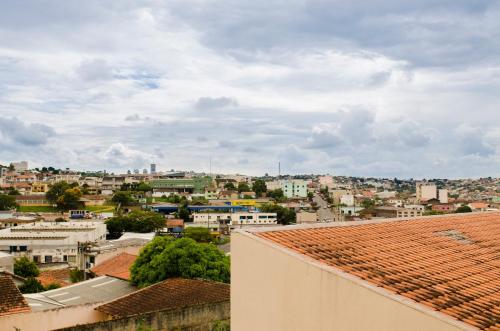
(172, 293)
(118, 266)
(448, 263)
(60, 277)
(11, 300)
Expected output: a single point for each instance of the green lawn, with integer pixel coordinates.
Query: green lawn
(38, 209)
(100, 209)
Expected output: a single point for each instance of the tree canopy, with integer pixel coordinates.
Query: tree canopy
(229, 186)
(284, 215)
(7, 202)
(25, 268)
(166, 257)
(64, 195)
(243, 187)
(136, 221)
(259, 187)
(123, 198)
(198, 234)
(464, 209)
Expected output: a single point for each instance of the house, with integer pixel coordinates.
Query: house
(228, 195)
(11, 299)
(174, 225)
(59, 276)
(306, 217)
(50, 242)
(392, 212)
(444, 208)
(478, 206)
(215, 221)
(117, 266)
(249, 195)
(436, 273)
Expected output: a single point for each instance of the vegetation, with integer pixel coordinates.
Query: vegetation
(367, 203)
(25, 268)
(166, 257)
(277, 195)
(65, 196)
(284, 215)
(463, 209)
(243, 187)
(7, 202)
(230, 186)
(31, 285)
(221, 326)
(136, 221)
(76, 275)
(123, 198)
(259, 187)
(198, 234)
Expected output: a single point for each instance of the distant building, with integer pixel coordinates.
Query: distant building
(214, 221)
(392, 212)
(443, 195)
(444, 208)
(294, 188)
(347, 200)
(152, 169)
(304, 217)
(429, 273)
(20, 166)
(426, 191)
(46, 242)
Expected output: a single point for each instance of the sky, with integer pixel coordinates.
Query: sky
(363, 88)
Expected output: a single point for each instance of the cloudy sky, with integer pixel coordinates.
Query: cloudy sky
(370, 88)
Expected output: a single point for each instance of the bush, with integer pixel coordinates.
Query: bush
(76, 275)
(198, 234)
(136, 221)
(31, 285)
(25, 268)
(166, 258)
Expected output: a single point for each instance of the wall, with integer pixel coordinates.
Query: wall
(52, 319)
(199, 318)
(272, 289)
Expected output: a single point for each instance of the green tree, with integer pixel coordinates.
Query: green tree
(25, 268)
(284, 215)
(259, 187)
(183, 212)
(167, 258)
(7, 202)
(56, 191)
(277, 195)
(463, 209)
(367, 203)
(310, 196)
(136, 221)
(70, 199)
(123, 198)
(198, 234)
(31, 285)
(76, 275)
(13, 191)
(230, 186)
(144, 187)
(243, 187)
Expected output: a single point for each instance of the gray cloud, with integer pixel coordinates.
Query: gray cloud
(14, 131)
(215, 103)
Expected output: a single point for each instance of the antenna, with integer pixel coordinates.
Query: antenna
(279, 169)
(210, 159)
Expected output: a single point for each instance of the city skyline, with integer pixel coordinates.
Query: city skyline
(362, 89)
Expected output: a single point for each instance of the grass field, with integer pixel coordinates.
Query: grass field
(49, 209)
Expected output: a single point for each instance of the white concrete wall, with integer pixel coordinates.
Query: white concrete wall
(275, 290)
(52, 319)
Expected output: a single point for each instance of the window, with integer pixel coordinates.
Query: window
(65, 258)
(72, 258)
(13, 249)
(36, 258)
(92, 259)
(48, 258)
(23, 248)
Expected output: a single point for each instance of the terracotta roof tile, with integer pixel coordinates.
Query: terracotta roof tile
(172, 293)
(11, 300)
(118, 266)
(450, 264)
(57, 276)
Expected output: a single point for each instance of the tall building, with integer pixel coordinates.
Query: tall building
(443, 195)
(295, 188)
(426, 191)
(153, 168)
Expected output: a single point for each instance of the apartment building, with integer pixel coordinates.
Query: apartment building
(294, 188)
(426, 191)
(48, 242)
(234, 220)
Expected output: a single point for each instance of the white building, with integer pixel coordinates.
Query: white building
(20, 166)
(443, 195)
(347, 199)
(233, 220)
(295, 188)
(47, 242)
(426, 191)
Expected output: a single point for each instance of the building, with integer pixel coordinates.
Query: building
(294, 188)
(306, 217)
(117, 266)
(47, 242)
(238, 219)
(426, 191)
(152, 169)
(196, 185)
(326, 181)
(11, 300)
(443, 195)
(438, 273)
(393, 212)
(337, 194)
(444, 208)
(347, 200)
(20, 166)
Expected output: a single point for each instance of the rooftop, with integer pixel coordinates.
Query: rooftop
(11, 300)
(100, 289)
(447, 263)
(170, 294)
(55, 276)
(118, 266)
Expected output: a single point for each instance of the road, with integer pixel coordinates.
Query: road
(324, 213)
